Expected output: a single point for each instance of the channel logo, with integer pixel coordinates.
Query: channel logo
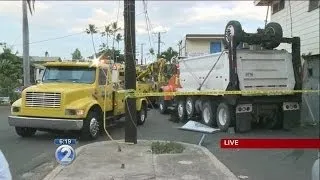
(65, 154)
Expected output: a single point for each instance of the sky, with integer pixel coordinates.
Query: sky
(54, 19)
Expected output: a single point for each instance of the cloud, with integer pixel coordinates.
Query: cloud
(242, 10)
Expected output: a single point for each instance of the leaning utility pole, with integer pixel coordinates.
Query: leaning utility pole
(130, 70)
(141, 53)
(25, 44)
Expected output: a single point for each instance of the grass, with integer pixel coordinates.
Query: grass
(166, 148)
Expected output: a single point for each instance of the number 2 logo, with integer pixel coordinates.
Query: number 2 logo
(66, 158)
(65, 154)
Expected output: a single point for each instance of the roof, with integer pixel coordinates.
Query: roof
(204, 36)
(39, 58)
(262, 2)
(42, 58)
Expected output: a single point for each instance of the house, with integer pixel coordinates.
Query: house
(37, 67)
(201, 44)
(301, 19)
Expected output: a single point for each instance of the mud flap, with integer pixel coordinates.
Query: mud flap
(291, 115)
(243, 118)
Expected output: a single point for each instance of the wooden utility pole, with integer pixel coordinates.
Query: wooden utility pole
(159, 42)
(130, 70)
(141, 53)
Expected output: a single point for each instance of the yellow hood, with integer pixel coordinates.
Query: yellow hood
(58, 87)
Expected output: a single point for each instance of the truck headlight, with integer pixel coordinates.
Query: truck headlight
(73, 112)
(15, 109)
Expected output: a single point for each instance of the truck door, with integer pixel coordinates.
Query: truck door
(105, 90)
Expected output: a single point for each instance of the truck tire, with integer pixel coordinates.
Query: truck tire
(225, 115)
(142, 114)
(208, 114)
(163, 105)
(233, 28)
(273, 120)
(25, 132)
(181, 111)
(274, 29)
(190, 107)
(91, 126)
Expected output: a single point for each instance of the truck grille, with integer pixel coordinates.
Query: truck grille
(41, 99)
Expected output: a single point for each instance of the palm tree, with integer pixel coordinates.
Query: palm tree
(25, 36)
(114, 30)
(107, 32)
(118, 39)
(92, 29)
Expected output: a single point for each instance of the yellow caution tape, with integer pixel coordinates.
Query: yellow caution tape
(133, 94)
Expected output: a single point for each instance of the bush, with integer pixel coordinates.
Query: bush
(166, 148)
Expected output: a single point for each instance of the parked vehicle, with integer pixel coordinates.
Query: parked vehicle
(80, 96)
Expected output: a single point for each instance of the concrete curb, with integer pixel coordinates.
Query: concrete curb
(214, 160)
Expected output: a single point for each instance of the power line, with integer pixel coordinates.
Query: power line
(56, 38)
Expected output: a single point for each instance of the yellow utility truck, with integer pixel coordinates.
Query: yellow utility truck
(74, 96)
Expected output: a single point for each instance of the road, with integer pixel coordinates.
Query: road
(25, 155)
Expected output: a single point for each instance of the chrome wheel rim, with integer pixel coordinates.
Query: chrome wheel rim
(206, 115)
(94, 127)
(189, 107)
(180, 110)
(143, 115)
(222, 117)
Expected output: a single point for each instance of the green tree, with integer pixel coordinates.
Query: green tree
(169, 54)
(76, 55)
(92, 29)
(10, 73)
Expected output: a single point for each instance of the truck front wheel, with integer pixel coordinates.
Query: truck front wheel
(142, 114)
(224, 116)
(25, 132)
(91, 126)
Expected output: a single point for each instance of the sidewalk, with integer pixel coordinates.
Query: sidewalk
(101, 160)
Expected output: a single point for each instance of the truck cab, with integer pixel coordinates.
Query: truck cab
(73, 96)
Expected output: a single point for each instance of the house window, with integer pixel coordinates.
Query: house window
(313, 4)
(277, 6)
(215, 47)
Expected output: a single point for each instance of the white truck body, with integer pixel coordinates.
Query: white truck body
(257, 70)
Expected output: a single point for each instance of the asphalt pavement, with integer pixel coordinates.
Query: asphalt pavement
(34, 157)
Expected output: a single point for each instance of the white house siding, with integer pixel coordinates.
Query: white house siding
(195, 47)
(304, 25)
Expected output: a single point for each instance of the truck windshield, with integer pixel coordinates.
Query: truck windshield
(69, 74)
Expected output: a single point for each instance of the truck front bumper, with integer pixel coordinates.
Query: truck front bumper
(45, 123)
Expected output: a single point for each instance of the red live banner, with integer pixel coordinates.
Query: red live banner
(270, 143)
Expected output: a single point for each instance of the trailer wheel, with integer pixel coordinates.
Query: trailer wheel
(91, 126)
(273, 29)
(224, 116)
(208, 114)
(163, 105)
(142, 114)
(190, 107)
(25, 132)
(181, 110)
(273, 120)
(233, 29)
